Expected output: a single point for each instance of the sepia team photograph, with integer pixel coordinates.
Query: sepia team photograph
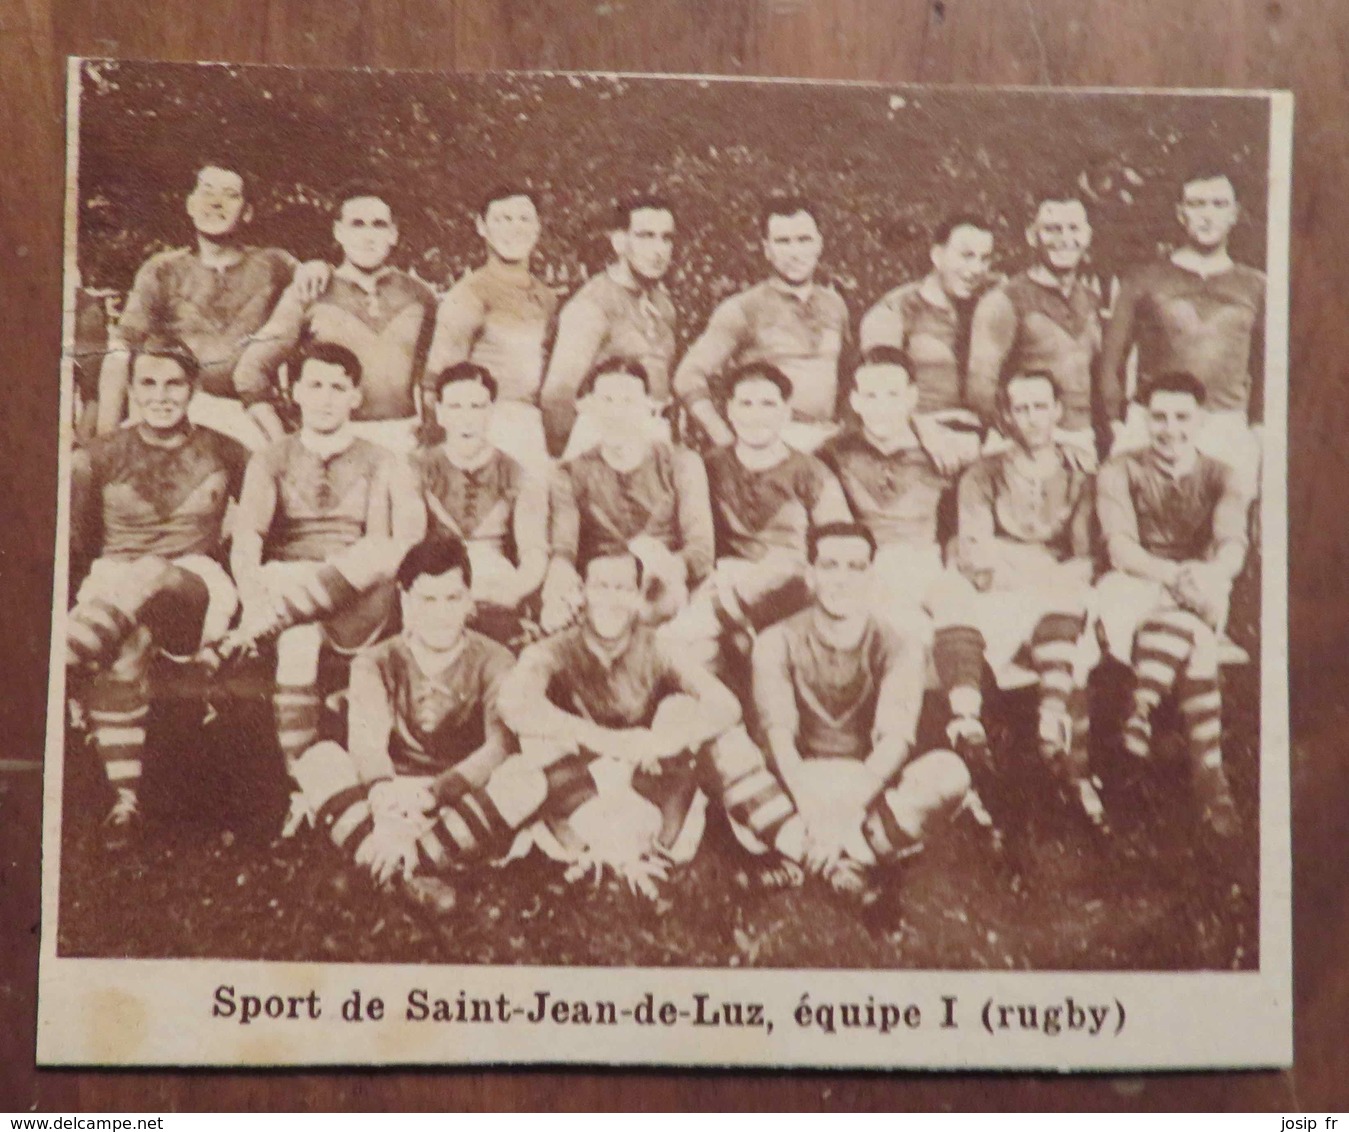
(583, 523)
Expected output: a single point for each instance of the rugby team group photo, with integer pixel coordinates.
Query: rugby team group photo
(524, 588)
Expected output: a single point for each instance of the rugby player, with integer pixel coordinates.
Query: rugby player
(1174, 524)
(498, 316)
(624, 312)
(213, 297)
(789, 321)
(1021, 586)
(1198, 312)
(381, 314)
(765, 496)
(629, 492)
(148, 505)
(928, 322)
(474, 491)
(334, 513)
(1044, 319)
(837, 697)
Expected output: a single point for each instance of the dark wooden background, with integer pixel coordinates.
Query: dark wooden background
(1301, 44)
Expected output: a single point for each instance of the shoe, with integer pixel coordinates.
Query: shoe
(849, 881)
(300, 816)
(973, 806)
(122, 826)
(776, 874)
(1093, 809)
(969, 740)
(430, 895)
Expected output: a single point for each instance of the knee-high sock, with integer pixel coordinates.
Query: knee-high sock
(935, 783)
(1201, 708)
(1079, 751)
(118, 709)
(750, 793)
(97, 626)
(1052, 646)
(958, 655)
(1162, 647)
(296, 708)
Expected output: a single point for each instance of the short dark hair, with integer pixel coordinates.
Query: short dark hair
(226, 161)
(884, 355)
(759, 371)
(436, 554)
(817, 535)
(1029, 375)
(623, 210)
(946, 227)
(784, 206)
(628, 367)
(359, 190)
(636, 564)
(465, 371)
(331, 354)
(505, 191)
(159, 345)
(1058, 192)
(1207, 171)
(1172, 381)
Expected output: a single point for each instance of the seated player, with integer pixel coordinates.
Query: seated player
(423, 727)
(629, 492)
(765, 496)
(1174, 525)
(474, 491)
(893, 487)
(333, 515)
(1021, 586)
(148, 504)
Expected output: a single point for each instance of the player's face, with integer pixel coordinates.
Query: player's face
(962, 262)
(463, 410)
(365, 232)
(1033, 412)
(883, 398)
(326, 395)
(647, 244)
(216, 204)
(793, 245)
(1172, 420)
(612, 596)
(435, 608)
(1061, 234)
(160, 390)
(1208, 212)
(840, 575)
(511, 228)
(618, 405)
(758, 412)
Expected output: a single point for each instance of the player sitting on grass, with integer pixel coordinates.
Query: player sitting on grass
(147, 507)
(1174, 524)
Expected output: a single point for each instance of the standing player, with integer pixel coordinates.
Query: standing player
(147, 508)
(837, 698)
(1174, 524)
(379, 313)
(789, 321)
(628, 493)
(213, 297)
(623, 312)
(333, 514)
(928, 322)
(1045, 319)
(1022, 580)
(1196, 312)
(474, 491)
(498, 316)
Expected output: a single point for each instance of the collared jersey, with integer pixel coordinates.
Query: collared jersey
(131, 497)
(482, 504)
(999, 497)
(759, 510)
(800, 332)
(497, 316)
(215, 311)
(1181, 518)
(1210, 326)
(838, 702)
(896, 495)
(384, 327)
(597, 509)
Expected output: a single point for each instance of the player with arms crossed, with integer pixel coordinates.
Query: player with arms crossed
(928, 323)
(1021, 587)
(474, 491)
(789, 321)
(148, 505)
(498, 316)
(379, 313)
(629, 492)
(623, 312)
(212, 297)
(1174, 524)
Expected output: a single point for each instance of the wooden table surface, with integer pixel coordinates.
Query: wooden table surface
(1299, 44)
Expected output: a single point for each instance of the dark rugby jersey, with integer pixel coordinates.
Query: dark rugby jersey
(486, 504)
(997, 497)
(896, 495)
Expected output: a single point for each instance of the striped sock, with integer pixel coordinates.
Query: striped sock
(958, 656)
(296, 708)
(1052, 647)
(470, 827)
(117, 712)
(881, 828)
(1162, 646)
(752, 796)
(1201, 708)
(95, 630)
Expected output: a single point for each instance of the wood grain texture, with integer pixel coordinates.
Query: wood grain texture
(1302, 45)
